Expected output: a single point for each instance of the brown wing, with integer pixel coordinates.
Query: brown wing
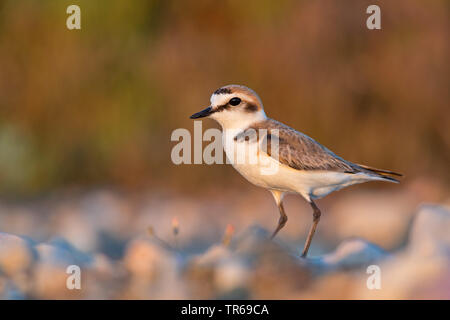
(301, 152)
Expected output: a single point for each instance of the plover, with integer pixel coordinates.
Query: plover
(305, 166)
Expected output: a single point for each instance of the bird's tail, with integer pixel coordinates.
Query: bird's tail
(384, 174)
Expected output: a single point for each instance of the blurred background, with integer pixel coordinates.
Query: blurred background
(86, 118)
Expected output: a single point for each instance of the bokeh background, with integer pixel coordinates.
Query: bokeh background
(86, 118)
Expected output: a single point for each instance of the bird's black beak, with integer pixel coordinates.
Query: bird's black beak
(204, 113)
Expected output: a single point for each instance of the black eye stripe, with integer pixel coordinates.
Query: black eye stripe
(234, 101)
(222, 107)
(250, 107)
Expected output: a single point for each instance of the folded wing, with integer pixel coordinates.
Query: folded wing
(301, 152)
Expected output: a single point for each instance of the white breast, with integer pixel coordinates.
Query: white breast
(261, 170)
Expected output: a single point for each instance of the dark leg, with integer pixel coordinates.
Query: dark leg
(316, 218)
(281, 221)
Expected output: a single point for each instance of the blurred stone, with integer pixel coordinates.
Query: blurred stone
(104, 279)
(252, 240)
(153, 270)
(249, 266)
(147, 260)
(60, 252)
(218, 273)
(351, 253)
(213, 255)
(421, 270)
(330, 286)
(75, 226)
(407, 276)
(275, 272)
(103, 265)
(50, 282)
(50, 273)
(200, 271)
(16, 254)
(430, 232)
(231, 275)
(111, 244)
(9, 291)
(108, 212)
(379, 217)
(251, 263)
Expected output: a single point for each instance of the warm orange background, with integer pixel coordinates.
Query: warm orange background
(97, 106)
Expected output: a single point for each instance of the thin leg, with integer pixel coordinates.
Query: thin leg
(278, 196)
(281, 222)
(316, 218)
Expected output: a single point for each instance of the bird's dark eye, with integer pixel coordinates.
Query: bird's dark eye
(235, 101)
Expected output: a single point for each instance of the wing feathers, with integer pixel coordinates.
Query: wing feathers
(301, 152)
(380, 171)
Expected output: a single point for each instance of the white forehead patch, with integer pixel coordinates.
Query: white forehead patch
(221, 99)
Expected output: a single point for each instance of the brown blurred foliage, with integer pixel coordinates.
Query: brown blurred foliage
(98, 105)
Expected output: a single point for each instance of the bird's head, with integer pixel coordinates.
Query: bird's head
(233, 106)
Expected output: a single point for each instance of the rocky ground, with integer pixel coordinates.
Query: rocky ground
(369, 245)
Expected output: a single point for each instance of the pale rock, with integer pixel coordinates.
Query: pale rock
(430, 232)
(379, 217)
(421, 270)
(351, 253)
(153, 270)
(16, 254)
(59, 252)
(76, 227)
(231, 274)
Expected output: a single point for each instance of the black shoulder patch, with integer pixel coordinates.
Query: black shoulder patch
(222, 91)
(248, 134)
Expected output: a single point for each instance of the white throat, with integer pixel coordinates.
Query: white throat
(238, 121)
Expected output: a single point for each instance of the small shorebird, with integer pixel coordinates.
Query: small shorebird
(305, 167)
